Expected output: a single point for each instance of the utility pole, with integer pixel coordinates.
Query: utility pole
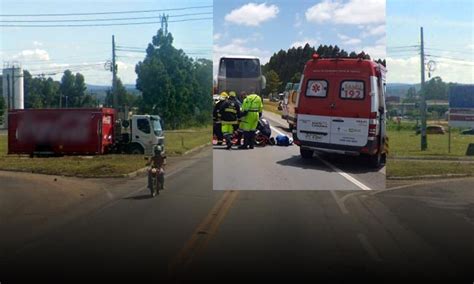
(114, 75)
(424, 141)
(164, 23)
(8, 92)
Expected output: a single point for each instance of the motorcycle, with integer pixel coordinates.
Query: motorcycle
(155, 181)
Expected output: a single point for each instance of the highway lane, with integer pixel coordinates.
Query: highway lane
(281, 168)
(191, 232)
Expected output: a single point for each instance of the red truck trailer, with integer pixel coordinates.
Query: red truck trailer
(82, 131)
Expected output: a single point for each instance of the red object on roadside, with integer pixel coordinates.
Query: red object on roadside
(72, 131)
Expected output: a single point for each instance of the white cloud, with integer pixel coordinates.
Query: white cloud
(375, 51)
(354, 12)
(237, 47)
(217, 36)
(298, 21)
(346, 40)
(37, 43)
(302, 43)
(407, 70)
(252, 14)
(32, 54)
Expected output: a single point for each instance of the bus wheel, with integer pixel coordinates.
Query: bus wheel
(306, 153)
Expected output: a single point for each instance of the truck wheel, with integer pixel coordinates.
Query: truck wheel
(306, 153)
(136, 150)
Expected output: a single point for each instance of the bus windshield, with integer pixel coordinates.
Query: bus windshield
(239, 68)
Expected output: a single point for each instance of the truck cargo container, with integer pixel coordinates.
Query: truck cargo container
(80, 131)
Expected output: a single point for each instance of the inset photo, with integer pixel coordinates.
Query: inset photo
(430, 91)
(299, 96)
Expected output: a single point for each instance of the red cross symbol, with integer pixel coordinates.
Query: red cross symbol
(316, 88)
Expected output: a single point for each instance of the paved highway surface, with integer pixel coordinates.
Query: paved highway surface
(282, 168)
(190, 232)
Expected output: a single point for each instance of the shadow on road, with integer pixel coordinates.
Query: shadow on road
(349, 164)
(139, 197)
(297, 161)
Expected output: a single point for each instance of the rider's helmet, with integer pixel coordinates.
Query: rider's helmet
(232, 94)
(157, 150)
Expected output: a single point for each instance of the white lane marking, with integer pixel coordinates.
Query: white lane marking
(345, 175)
(277, 131)
(339, 203)
(336, 169)
(368, 247)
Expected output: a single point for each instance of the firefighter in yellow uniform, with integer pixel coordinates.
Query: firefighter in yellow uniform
(252, 108)
(217, 129)
(229, 113)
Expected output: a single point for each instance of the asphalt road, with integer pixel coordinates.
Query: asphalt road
(282, 168)
(191, 232)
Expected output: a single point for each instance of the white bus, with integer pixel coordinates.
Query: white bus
(240, 73)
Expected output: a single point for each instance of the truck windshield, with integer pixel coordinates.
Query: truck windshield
(155, 121)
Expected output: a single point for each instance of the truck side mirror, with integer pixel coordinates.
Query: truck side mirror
(162, 122)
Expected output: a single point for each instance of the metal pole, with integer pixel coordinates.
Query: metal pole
(424, 142)
(13, 88)
(8, 92)
(114, 75)
(449, 139)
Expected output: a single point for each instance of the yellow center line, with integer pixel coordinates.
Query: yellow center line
(201, 236)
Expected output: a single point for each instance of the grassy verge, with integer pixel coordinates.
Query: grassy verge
(407, 143)
(403, 168)
(271, 106)
(104, 165)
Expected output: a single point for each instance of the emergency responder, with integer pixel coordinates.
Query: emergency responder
(252, 108)
(229, 113)
(240, 131)
(217, 129)
(157, 161)
(233, 98)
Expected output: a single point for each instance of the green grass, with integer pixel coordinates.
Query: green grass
(407, 143)
(404, 168)
(179, 141)
(100, 165)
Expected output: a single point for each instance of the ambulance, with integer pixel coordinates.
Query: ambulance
(341, 109)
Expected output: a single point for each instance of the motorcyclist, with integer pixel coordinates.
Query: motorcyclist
(157, 161)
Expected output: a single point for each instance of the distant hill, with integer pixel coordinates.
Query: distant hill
(400, 89)
(101, 91)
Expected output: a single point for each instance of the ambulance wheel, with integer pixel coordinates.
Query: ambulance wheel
(306, 153)
(376, 161)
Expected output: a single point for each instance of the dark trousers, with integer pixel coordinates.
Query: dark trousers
(218, 131)
(249, 138)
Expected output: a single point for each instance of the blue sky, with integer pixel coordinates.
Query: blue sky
(261, 28)
(448, 35)
(45, 48)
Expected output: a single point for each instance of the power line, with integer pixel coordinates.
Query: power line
(105, 13)
(449, 58)
(99, 20)
(103, 25)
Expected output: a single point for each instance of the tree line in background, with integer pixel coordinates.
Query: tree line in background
(286, 66)
(172, 85)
